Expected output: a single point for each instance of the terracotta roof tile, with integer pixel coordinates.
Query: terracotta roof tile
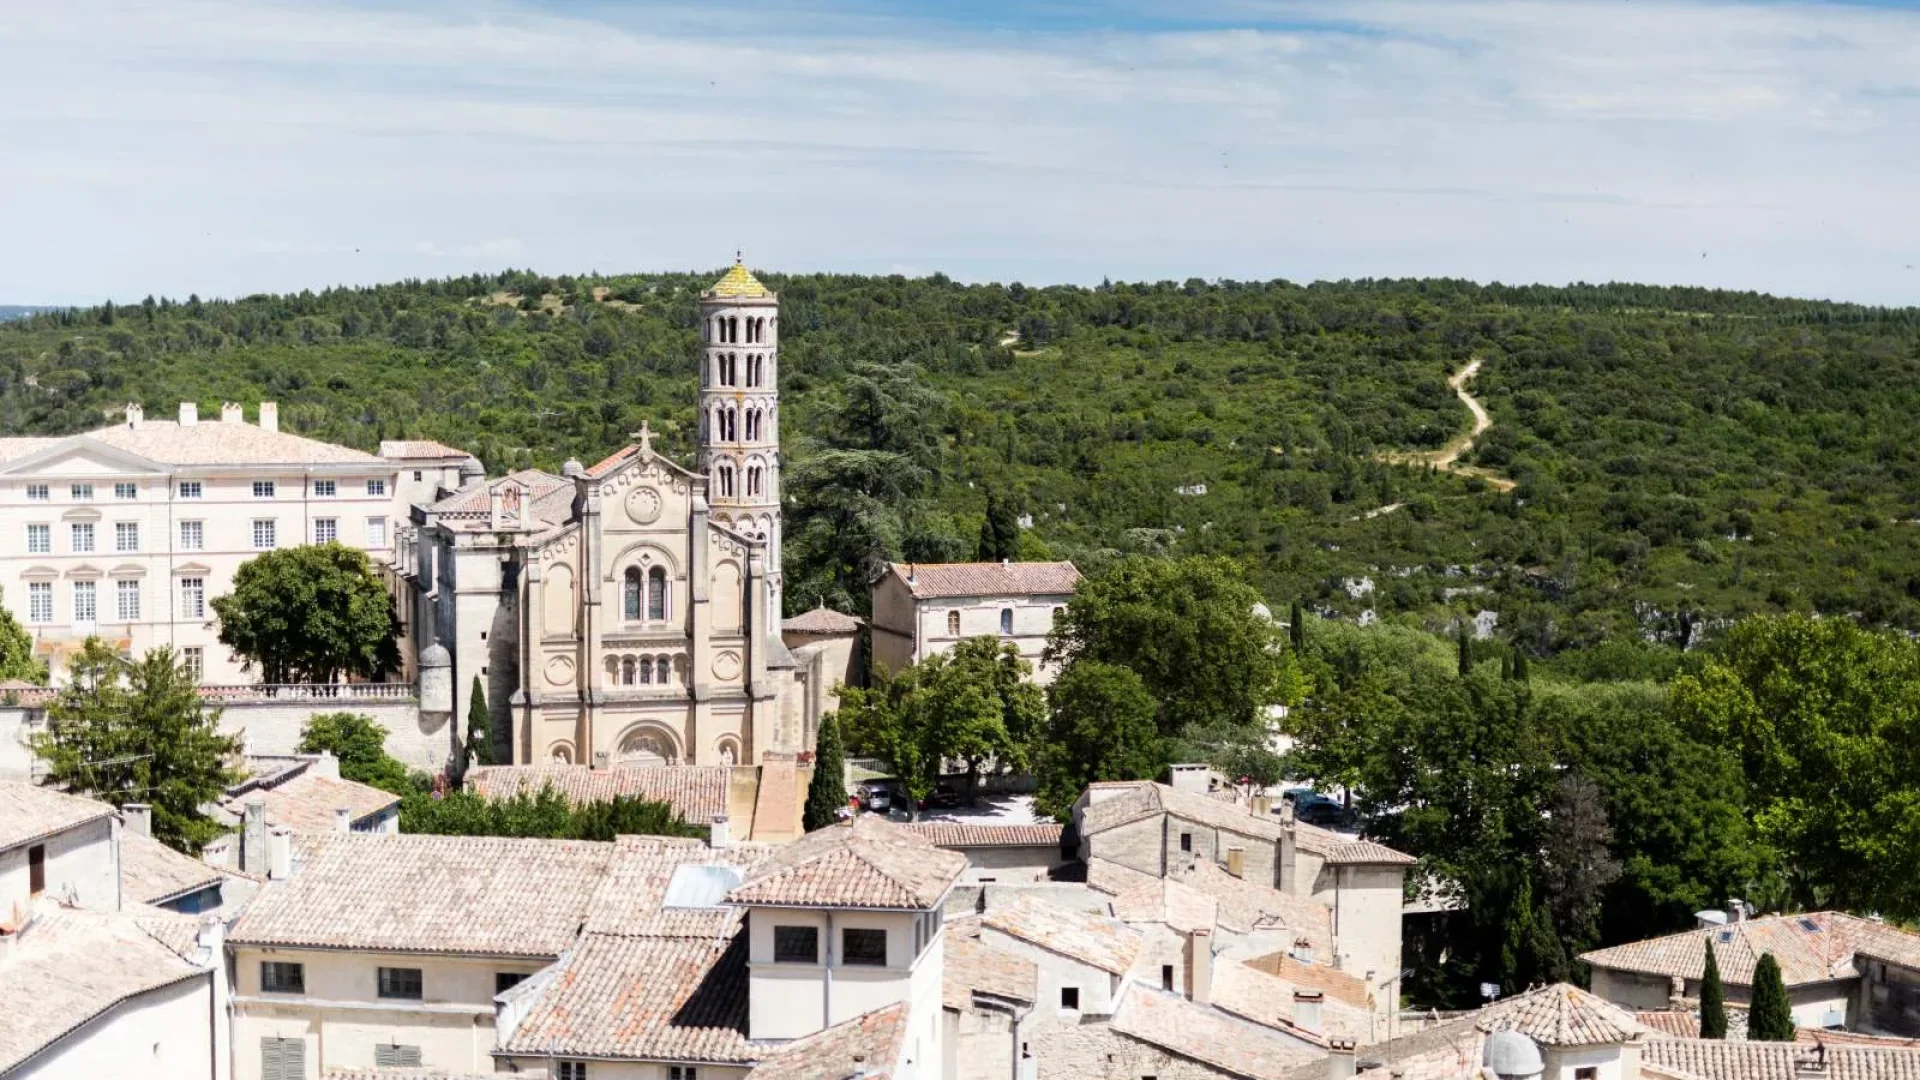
(306, 803)
(873, 1042)
(1112, 878)
(939, 581)
(419, 450)
(374, 1072)
(1094, 940)
(552, 498)
(218, 442)
(632, 900)
(1560, 1016)
(482, 895)
(1164, 900)
(1811, 948)
(1247, 906)
(1367, 853)
(1337, 985)
(29, 812)
(1268, 999)
(973, 965)
(1216, 1038)
(1715, 1059)
(153, 873)
(1149, 798)
(967, 834)
(867, 862)
(822, 620)
(696, 792)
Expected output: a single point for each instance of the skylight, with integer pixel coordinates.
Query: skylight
(701, 886)
(1809, 926)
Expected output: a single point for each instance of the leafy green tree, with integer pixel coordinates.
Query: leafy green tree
(1770, 1014)
(886, 719)
(1713, 999)
(545, 813)
(16, 652)
(1297, 627)
(999, 532)
(361, 745)
(827, 792)
(310, 614)
(479, 748)
(1100, 726)
(128, 732)
(1188, 627)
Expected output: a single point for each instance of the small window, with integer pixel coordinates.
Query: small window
(193, 660)
(126, 491)
(1006, 620)
(402, 983)
(283, 1059)
(863, 947)
(263, 489)
(1070, 998)
(682, 1072)
(1166, 976)
(378, 488)
(1587, 1072)
(1186, 841)
(326, 530)
(1809, 926)
(39, 539)
(280, 977)
(572, 1070)
(325, 489)
(193, 536)
(37, 492)
(953, 623)
(370, 483)
(504, 981)
(81, 492)
(264, 535)
(657, 594)
(796, 945)
(36, 869)
(189, 489)
(394, 1056)
(126, 536)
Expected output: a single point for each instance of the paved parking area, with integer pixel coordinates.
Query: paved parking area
(992, 810)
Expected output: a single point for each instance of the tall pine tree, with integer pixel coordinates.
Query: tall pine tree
(827, 794)
(1713, 999)
(1000, 532)
(1297, 627)
(479, 727)
(1464, 647)
(1770, 1017)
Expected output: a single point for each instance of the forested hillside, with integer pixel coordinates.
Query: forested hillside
(1680, 456)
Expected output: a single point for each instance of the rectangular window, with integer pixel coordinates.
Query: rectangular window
(193, 536)
(39, 539)
(86, 604)
(189, 489)
(378, 488)
(1070, 997)
(1186, 841)
(193, 598)
(126, 491)
(39, 601)
(377, 532)
(263, 489)
(193, 660)
(324, 489)
(395, 1056)
(263, 538)
(126, 536)
(682, 1072)
(80, 533)
(796, 945)
(1587, 1072)
(504, 981)
(283, 1059)
(864, 947)
(36, 869)
(126, 596)
(403, 983)
(572, 1070)
(416, 479)
(326, 530)
(82, 492)
(1166, 976)
(281, 977)
(37, 492)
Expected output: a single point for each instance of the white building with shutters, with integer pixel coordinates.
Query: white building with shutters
(128, 532)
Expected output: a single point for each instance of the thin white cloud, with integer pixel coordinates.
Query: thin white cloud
(227, 146)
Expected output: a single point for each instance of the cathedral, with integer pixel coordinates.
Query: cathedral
(629, 611)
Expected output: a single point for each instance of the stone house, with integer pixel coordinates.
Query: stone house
(925, 609)
(56, 847)
(997, 853)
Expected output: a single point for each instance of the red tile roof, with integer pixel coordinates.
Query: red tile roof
(1094, 940)
(865, 863)
(938, 581)
(869, 1044)
(966, 834)
(1811, 948)
(822, 620)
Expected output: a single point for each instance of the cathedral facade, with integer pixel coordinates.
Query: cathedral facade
(629, 612)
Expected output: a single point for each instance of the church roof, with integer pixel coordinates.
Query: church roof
(937, 581)
(737, 283)
(821, 620)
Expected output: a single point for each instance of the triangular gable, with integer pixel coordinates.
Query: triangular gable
(112, 459)
(635, 456)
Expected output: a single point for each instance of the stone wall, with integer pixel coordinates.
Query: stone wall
(273, 727)
(1066, 1050)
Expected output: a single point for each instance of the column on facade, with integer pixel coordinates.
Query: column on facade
(699, 632)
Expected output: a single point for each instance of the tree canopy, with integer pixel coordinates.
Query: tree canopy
(16, 652)
(1100, 726)
(310, 614)
(361, 745)
(827, 791)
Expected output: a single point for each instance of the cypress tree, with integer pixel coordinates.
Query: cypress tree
(1770, 1017)
(827, 793)
(1519, 665)
(479, 730)
(1297, 627)
(1464, 641)
(1713, 999)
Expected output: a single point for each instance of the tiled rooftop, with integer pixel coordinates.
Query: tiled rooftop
(306, 803)
(1234, 1046)
(696, 792)
(29, 812)
(552, 498)
(1268, 999)
(823, 621)
(1811, 948)
(738, 283)
(374, 1072)
(1165, 900)
(489, 896)
(68, 967)
(1148, 799)
(943, 581)
(1337, 985)
(631, 900)
(418, 450)
(973, 965)
(1247, 906)
(1094, 940)
(1715, 1059)
(153, 873)
(209, 442)
(867, 1045)
(1560, 1016)
(866, 863)
(965, 834)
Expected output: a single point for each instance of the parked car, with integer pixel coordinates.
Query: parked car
(875, 798)
(1325, 813)
(1303, 797)
(944, 797)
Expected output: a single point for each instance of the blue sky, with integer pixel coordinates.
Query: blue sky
(234, 146)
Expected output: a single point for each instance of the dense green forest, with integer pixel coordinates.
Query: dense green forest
(1681, 457)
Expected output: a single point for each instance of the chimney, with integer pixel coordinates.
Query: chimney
(1302, 950)
(210, 937)
(602, 760)
(189, 413)
(1262, 805)
(494, 502)
(859, 1068)
(719, 834)
(1307, 1010)
(1340, 1063)
(1286, 811)
(269, 416)
(325, 765)
(279, 854)
(342, 819)
(135, 415)
(138, 818)
(1736, 910)
(1200, 966)
(232, 413)
(1237, 862)
(253, 836)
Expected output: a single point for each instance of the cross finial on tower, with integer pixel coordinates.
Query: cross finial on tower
(645, 438)
(738, 257)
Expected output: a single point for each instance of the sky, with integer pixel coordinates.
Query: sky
(226, 147)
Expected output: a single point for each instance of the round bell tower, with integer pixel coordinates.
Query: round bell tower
(740, 408)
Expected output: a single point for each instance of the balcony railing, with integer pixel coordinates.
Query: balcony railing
(295, 692)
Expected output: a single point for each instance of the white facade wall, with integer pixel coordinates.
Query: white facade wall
(18, 724)
(83, 868)
(789, 1000)
(1367, 925)
(1099, 989)
(164, 1034)
(1608, 1062)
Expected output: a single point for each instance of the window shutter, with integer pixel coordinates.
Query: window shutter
(283, 1059)
(396, 1056)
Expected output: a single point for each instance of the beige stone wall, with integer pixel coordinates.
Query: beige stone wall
(1135, 845)
(1068, 1051)
(893, 624)
(980, 1044)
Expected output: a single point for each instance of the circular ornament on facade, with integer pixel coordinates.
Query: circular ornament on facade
(726, 666)
(643, 505)
(560, 670)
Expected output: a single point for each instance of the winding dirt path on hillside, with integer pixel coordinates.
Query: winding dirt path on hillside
(1448, 457)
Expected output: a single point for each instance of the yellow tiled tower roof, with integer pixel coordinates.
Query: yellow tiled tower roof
(738, 284)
